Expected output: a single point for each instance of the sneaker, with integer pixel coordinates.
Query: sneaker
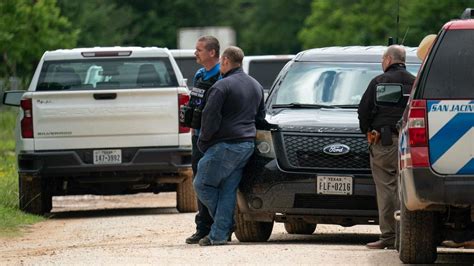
(452, 244)
(206, 241)
(194, 239)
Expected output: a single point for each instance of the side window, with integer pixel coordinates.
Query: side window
(450, 74)
(265, 71)
(188, 67)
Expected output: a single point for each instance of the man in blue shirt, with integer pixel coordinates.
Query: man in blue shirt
(207, 55)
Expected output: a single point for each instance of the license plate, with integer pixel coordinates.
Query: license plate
(107, 156)
(334, 185)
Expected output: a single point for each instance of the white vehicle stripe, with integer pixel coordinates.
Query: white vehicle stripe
(437, 120)
(457, 156)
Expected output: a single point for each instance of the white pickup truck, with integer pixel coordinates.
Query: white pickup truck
(102, 121)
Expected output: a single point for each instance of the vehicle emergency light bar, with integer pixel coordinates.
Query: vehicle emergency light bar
(106, 53)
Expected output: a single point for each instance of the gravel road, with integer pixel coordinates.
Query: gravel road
(147, 229)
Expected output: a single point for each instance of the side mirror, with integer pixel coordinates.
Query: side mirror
(388, 93)
(12, 98)
(425, 46)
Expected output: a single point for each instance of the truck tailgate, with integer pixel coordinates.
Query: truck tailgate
(105, 118)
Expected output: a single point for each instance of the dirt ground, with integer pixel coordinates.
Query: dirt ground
(147, 229)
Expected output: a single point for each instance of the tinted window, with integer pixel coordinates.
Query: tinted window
(188, 67)
(266, 71)
(106, 74)
(327, 83)
(451, 72)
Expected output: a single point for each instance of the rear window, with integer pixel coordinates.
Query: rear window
(96, 74)
(266, 71)
(188, 67)
(451, 72)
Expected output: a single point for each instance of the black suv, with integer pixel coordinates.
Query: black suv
(311, 163)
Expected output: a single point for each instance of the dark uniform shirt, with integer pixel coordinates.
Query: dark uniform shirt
(233, 105)
(375, 117)
(202, 82)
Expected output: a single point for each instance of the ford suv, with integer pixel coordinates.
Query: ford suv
(311, 164)
(103, 121)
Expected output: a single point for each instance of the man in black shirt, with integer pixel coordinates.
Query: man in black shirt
(381, 121)
(227, 136)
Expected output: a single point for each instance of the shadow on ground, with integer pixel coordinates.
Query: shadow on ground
(112, 212)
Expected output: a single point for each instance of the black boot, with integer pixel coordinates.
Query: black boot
(194, 239)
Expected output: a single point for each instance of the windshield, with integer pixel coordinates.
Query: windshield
(93, 74)
(327, 84)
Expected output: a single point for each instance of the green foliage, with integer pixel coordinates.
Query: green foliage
(158, 22)
(371, 22)
(99, 22)
(271, 26)
(27, 29)
(10, 217)
(347, 22)
(427, 17)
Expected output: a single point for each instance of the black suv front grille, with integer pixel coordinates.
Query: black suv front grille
(306, 151)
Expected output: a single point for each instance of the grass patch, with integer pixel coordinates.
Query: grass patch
(11, 218)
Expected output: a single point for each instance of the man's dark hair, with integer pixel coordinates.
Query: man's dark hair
(234, 54)
(211, 44)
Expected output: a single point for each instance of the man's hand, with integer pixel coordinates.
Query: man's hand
(373, 137)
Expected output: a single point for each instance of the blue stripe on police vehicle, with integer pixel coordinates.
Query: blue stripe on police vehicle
(450, 136)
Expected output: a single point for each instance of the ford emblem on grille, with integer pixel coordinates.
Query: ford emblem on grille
(336, 149)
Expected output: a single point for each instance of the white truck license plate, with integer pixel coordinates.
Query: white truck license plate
(334, 185)
(107, 156)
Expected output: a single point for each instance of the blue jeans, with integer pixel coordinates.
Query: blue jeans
(218, 177)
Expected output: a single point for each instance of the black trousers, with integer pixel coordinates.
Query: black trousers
(203, 219)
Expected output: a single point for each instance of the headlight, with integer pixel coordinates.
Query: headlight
(264, 144)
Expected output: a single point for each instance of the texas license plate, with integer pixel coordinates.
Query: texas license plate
(107, 156)
(334, 185)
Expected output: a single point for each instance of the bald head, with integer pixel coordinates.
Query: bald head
(396, 52)
(393, 55)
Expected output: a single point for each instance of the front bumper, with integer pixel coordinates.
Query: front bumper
(421, 188)
(267, 190)
(80, 162)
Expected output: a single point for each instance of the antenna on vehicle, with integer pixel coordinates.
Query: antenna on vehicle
(398, 20)
(406, 33)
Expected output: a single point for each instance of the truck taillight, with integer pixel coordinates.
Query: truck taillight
(27, 121)
(417, 133)
(183, 99)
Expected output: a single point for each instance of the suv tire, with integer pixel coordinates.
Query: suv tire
(186, 200)
(251, 231)
(417, 236)
(34, 196)
(300, 228)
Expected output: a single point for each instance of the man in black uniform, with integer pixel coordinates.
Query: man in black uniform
(207, 55)
(379, 123)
